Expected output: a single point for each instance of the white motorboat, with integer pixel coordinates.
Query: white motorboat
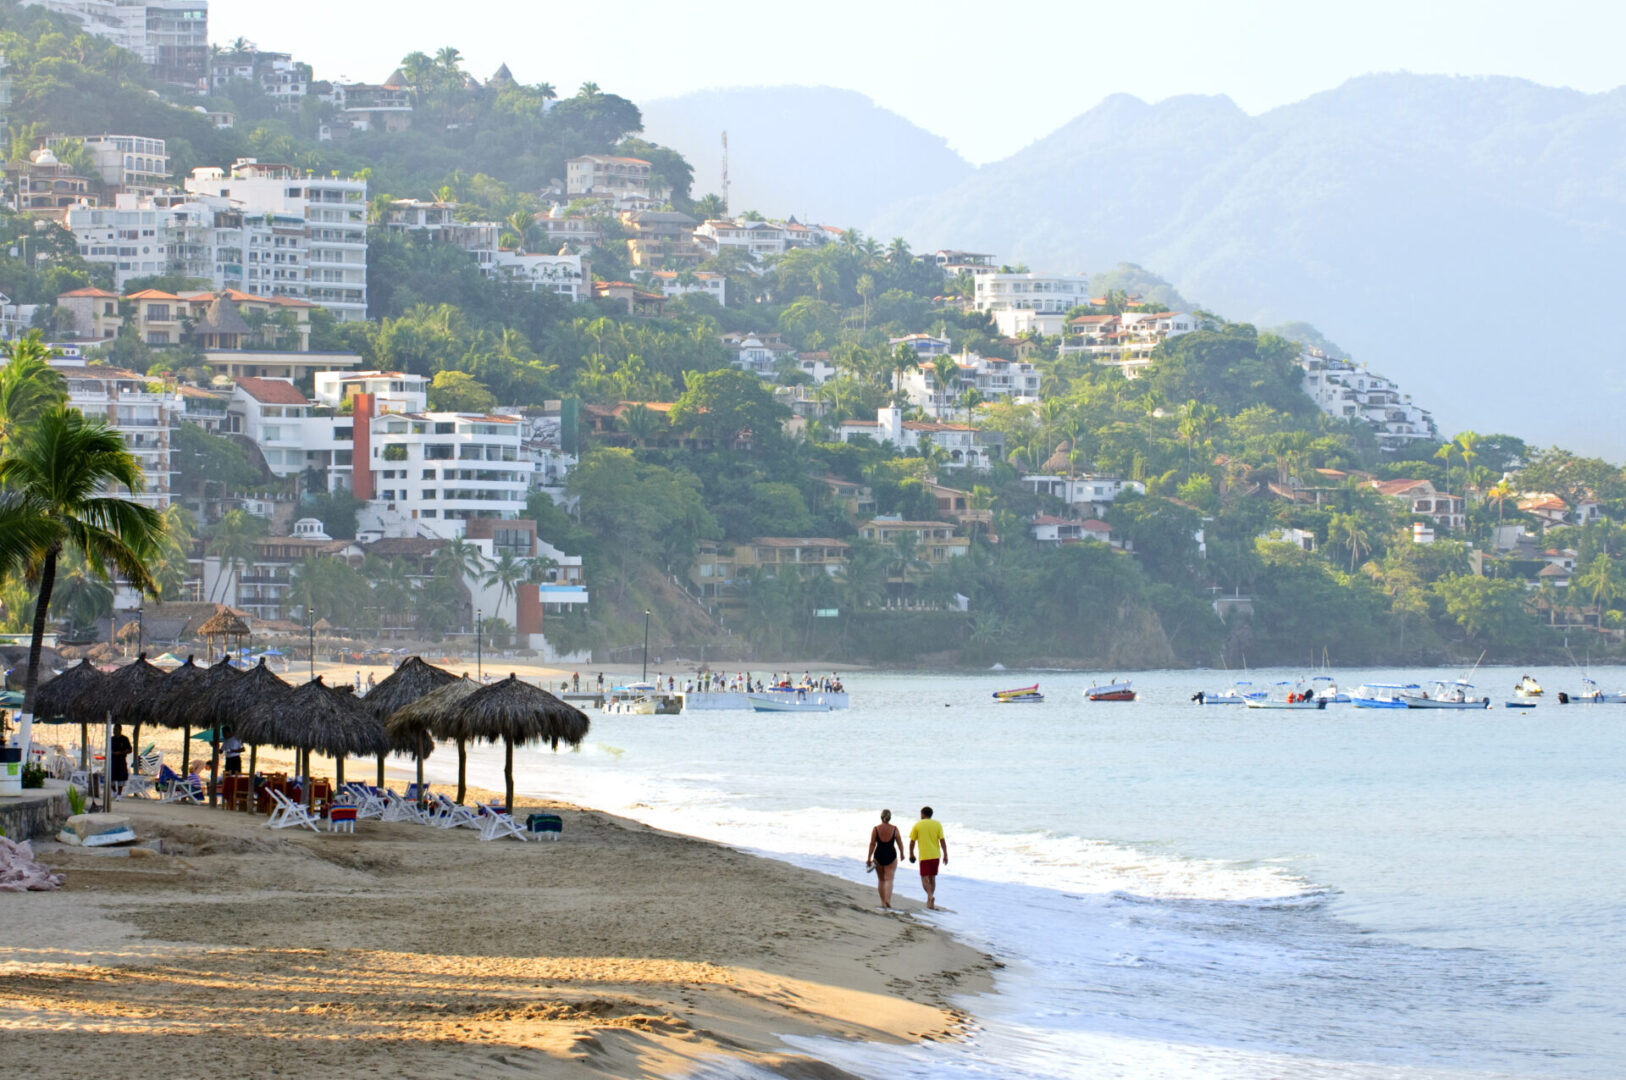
(641, 699)
(1382, 695)
(1286, 695)
(1458, 694)
(1527, 687)
(1326, 690)
(1111, 691)
(1235, 695)
(1591, 694)
(782, 702)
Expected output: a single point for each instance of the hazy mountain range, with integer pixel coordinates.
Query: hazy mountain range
(1463, 235)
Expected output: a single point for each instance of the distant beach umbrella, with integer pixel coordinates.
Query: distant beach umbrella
(320, 718)
(515, 713)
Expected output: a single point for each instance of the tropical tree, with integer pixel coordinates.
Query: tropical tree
(588, 91)
(52, 499)
(232, 542)
(174, 561)
(947, 374)
(28, 383)
(1601, 579)
(1349, 532)
(506, 575)
(1499, 494)
(903, 360)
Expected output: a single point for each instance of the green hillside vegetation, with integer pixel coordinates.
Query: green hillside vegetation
(1217, 429)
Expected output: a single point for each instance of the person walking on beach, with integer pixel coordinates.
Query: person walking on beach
(928, 833)
(882, 857)
(119, 766)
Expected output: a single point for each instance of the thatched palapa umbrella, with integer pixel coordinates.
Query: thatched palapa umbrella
(225, 625)
(517, 713)
(159, 708)
(315, 717)
(57, 700)
(435, 714)
(192, 708)
(407, 683)
(254, 689)
(122, 697)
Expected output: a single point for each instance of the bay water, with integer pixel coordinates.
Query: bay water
(1185, 891)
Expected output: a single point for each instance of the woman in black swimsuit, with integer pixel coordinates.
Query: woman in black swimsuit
(884, 842)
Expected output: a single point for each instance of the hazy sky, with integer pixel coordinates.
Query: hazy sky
(989, 77)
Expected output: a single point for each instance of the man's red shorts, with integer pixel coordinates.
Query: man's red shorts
(928, 867)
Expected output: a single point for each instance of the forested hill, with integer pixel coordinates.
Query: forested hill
(1404, 215)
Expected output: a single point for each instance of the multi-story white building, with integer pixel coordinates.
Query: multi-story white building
(335, 213)
(278, 75)
(1126, 341)
(129, 163)
(1021, 303)
(680, 283)
(760, 354)
(1093, 492)
(1341, 389)
(965, 447)
(953, 263)
(170, 36)
(131, 406)
(758, 239)
(618, 177)
(994, 378)
(568, 275)
(439, 223)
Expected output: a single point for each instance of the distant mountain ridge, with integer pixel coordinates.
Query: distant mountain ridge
(1431, 225)
(822, 154)
(1436, 227)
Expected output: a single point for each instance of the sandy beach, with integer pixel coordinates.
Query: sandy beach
(409, 951)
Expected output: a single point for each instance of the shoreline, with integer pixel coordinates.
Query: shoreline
(406, 950)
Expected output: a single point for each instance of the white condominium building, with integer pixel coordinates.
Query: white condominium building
(1023, 302)
(142, 417)
(170, 36)
(1341, 389)
(335, 213)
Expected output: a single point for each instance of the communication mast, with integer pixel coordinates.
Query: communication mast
(725, 171)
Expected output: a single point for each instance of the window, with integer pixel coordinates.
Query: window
(434, 452)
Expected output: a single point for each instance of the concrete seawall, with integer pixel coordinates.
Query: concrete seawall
(36, 813)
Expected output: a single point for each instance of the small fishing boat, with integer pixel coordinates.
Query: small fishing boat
(1235, 695)
(1457, 694)
(1591, 694)
(786, 703)
(1111, 691)
(1527, 687)
(1326, 690)
(641, 699)
(1381, 695)
(1023, 695)
(1286, 695)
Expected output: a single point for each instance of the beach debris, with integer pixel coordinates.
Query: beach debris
(20, 873)
(97, 830)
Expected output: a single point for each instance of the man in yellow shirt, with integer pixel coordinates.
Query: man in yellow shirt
(928, 833)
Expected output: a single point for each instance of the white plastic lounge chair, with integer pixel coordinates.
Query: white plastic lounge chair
(496, 824)
(453, 816)
(289, 813)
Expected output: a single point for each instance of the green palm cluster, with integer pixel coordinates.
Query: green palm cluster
(65, 482)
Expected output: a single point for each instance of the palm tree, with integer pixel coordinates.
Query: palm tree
(1348, 531)
(1602, 580)
(506, 575)
(1444, 453)
(174, 563)
(28, 383)
(521, 223)
(1500, 494)
(643, 423)
(947, 374)
(898, 251)
(233, 544)
(588, 90)
(709, 207)
(546, 92)
(904, 360)
(448, 59)
(53, 479)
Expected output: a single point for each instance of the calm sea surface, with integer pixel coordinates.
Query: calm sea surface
(1195, 892)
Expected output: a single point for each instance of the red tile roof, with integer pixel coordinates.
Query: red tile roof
(152, 294)
(100, 293)
(272, 391)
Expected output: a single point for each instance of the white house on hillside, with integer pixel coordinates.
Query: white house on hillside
(1037, 302)
(966, 446)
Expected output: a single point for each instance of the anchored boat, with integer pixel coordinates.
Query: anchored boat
(1286, 695)
(1382, 695)
(1457, 694)
(1022, 695)
(1112, 691)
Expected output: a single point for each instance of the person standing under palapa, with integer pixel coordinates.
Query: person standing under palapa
(233, 749)
(118, 765)
(928, 833)
(885, 844)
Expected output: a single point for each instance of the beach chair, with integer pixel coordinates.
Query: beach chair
(178, 788)
(139, 785)
(452, 816)
(399, 809)
(289, 813)
(496, 824)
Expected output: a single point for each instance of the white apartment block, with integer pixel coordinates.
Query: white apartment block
(438, 222)
(170, 36)
(673, 283)
(141, 415)
(567, 275)
(278, 75)
(127, 162)
(1343, 390)
(965, 447)
(954, 263)
(618, 177)
(992, 377)
(335, 213)
(758, 239)
(1021, 303)
(265, 254)
(1095, 493)
(1126, 341)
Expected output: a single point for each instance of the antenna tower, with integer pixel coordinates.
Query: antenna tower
(725, 170)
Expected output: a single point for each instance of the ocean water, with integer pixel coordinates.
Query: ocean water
(1194, 892)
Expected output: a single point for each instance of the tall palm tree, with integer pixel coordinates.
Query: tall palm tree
(232, 542)
(904, 360)
(52, 484)
(28, 383)
(506, 575)
(897, 252)
(546, 92)
(1348, 531)
(174, 563)
(947, 374)
(1499, 494)
(588, 90)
